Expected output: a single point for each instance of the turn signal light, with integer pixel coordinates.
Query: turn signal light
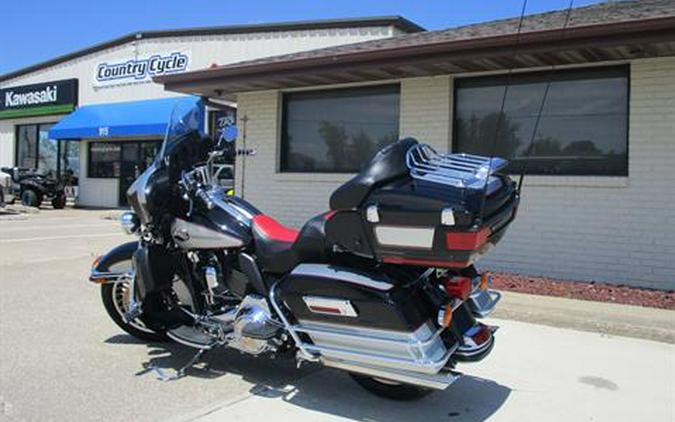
(96, 261)
(447, 316)
(484, 281)
(458, 287)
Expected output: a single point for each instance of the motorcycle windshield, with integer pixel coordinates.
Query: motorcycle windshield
(186, 122)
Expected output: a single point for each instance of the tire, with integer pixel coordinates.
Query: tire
(113, 295)
(59, 202)
(391, 389)
(30, 198)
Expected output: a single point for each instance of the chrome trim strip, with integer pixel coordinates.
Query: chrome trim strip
(334, 272)
(110, 277)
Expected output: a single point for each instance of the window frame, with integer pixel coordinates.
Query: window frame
(282, 155)
(89, 161)
(36, 126)
(625, 68)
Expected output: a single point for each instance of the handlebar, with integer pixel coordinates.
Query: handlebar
(204, 197)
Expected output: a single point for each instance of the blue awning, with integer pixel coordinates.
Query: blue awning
(118, 120)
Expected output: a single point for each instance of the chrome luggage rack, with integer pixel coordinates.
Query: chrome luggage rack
(458, 170)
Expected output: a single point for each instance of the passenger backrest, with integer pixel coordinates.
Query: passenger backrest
(389, 163)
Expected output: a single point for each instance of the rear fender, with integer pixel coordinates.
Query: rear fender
(115, 266)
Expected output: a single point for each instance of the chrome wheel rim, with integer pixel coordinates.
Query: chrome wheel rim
(121, 293)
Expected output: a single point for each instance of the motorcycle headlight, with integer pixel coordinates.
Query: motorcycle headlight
(129, 222)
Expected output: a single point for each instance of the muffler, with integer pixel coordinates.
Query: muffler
(439, 381)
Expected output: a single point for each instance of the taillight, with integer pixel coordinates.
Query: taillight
(458, 287)
(479, 334)
(467, 241)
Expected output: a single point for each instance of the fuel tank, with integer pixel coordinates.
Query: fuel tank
(226, 225)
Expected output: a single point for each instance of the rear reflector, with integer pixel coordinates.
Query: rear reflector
(425, 262)
(467, 241)
(458, 287)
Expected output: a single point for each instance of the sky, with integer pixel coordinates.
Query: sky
(34, 31)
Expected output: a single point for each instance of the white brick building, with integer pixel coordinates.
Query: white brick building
(600, 206)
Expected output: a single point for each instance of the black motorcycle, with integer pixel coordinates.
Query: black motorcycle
(382, 285)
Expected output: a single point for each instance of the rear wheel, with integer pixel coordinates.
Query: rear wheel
(391, 389)
(30, 198)
(59, 202)
(116, 302)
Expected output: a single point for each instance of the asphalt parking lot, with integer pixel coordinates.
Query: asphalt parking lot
(62, 359)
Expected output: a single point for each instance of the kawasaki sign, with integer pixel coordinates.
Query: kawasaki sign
(56, 97)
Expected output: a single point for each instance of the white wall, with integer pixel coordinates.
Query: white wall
(612, 229)
(204, 51)
(95, 192)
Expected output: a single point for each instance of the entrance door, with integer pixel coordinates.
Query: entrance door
(136, 157)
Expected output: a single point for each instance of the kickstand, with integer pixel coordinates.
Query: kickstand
(180, 373)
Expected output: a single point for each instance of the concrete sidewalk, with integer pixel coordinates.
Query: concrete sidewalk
(597, 317)
(534, 373)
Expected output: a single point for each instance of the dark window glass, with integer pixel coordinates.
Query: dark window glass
(26, 146)
(70, 160)
(338, 130)
(104, 159)
(582, 129)
(48, 150)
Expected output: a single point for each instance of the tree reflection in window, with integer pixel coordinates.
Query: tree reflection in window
(337, 130)
(582, 129)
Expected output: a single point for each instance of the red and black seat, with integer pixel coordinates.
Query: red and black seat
(280, 248)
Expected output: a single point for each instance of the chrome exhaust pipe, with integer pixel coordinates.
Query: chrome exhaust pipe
(439, 381)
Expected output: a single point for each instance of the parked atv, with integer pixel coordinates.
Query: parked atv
(33, 187)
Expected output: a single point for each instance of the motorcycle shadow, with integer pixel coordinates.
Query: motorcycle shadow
(325, 390)
(169, 358)
(470, 399)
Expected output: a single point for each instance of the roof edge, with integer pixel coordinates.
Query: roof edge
(256, 70)
(398, 22)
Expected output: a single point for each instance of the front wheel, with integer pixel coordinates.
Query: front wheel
(391, 389)
(30, 198)
(116, 302)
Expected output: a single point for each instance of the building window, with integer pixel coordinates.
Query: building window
(583, 128)
(337, 131)
(26, 146)
(34, 149)
(104, 160)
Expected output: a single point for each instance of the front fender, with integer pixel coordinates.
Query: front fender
(115, 265)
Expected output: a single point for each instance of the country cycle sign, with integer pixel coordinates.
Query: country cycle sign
(140, 69)
(54, 97)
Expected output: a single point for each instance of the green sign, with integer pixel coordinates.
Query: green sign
(57, 97)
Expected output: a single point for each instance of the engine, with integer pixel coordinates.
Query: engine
(253, 330)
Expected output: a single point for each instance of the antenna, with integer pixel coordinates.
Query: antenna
(540, 110)
(501, 110)
(530, 147)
